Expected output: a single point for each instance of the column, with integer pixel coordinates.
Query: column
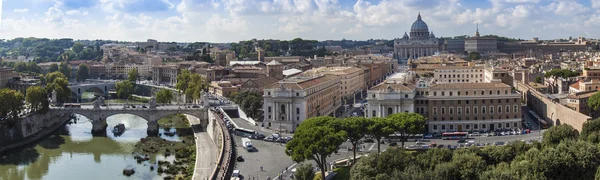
(397, 109)
(380, 113)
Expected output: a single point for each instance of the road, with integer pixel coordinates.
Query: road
(206, 151)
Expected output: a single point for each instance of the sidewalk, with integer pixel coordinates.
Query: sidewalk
(206, 152)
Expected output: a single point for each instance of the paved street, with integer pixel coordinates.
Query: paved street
(206, 152)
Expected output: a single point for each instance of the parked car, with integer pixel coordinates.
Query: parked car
(427, 136)
(269, 139)
(498, 143)
(240, 159)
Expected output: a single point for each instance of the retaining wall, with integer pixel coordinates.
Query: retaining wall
(30, 129)
(552, 111)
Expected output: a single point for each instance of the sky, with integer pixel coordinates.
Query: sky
(236, 20)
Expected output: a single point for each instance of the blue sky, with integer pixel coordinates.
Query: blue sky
(235, 20)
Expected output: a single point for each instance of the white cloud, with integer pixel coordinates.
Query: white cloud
(76, 12)
(566, 8)
(21, 10)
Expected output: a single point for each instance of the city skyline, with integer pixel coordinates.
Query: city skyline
(232, 21)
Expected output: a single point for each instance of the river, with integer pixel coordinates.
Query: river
(73, 153)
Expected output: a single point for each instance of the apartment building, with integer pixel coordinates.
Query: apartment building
(6, 75)
(293, 100)
(579, 101)
(390, 97)
(165, 74)
(222, 88)
(45, 66)
(459, 74)
(473, 107)
(351, 79)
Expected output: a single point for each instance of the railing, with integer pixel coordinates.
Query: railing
(226, 159)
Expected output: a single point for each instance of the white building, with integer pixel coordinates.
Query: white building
(389, 98)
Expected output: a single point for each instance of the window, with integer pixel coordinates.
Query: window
(297, 94)
(269, 93)
(435, 118)
(515, 109)
(459, 110)
(269, 109)
(297, 118)
(499, 109)
(297, 110)
(482, 109)
(434, 111)
(483, 126)
(490, 92)
(443, 93)
(498, 92)
(474, 126)
(434, 93)
(458, 93)
(269, 116)
(507, 125)
(499, 101)
(482, 92)
(443, 127)
(443, 111)
(390, 111)
(483, 101)
(467, 110)
(451, 110)
(505, 91)
(474, 109)
(458, 101)
(467, 92)
(468, 126)
(506, 100)
(282, 109)
(491, 109)
(373, 95)
(451, 126)
(434, 127)
(466, 101)
(507, 108)
(406, 96)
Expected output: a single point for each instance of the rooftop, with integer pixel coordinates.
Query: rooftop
(580, 95)
(393, 86)
(302, 82)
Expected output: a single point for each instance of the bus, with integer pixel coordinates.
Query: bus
(72, 105)
(454, 135)
(244, 132)
(542, 122)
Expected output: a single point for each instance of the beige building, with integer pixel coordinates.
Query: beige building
(351, 79)
(579, 101)
(45, 66)
(481, 45)
(6, 75)
(222, 88)
(473, 107)
(165, 74)
(293, 100)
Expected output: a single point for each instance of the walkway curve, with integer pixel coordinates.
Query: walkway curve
(206, 151)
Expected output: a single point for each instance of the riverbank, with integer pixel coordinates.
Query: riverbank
(184, 150)
(36, 136)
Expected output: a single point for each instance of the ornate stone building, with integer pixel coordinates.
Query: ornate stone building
(420, 42)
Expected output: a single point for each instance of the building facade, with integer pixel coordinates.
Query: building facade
(420, 43)
(481, 45)
(459, 74)
(473, 107)
(6, 75)
(388, 98)
(293, 100)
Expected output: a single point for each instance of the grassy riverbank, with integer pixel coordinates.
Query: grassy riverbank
(184, 150)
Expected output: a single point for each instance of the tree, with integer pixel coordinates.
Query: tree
(61, 86)
(20, 67)
(196, 85)
(78, 47)
(37, 98)
(591, 131)
(183, 79)
(33, 67)
(356, 129)
(407, 124)
(53, 75)
(594, 101)
(65, 69)
(304, 172)
(164, 96)
(83, 72)
(12, 104)
(474, 56)
(556, 134)
(124, 89)
(132, 75)
(560, 73)
(315, 140)
(379, 128)
(53, 68)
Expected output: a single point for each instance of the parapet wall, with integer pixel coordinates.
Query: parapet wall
(29, 129)
(553, 112)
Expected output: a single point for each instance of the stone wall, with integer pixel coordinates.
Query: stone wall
(552, 111)
(30, 126)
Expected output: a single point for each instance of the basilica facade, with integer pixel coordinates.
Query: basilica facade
(420, 42)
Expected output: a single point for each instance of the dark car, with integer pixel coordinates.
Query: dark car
(144, 106)
(240, 159)
(195, 106)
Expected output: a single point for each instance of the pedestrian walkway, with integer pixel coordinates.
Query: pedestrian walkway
(206, 152)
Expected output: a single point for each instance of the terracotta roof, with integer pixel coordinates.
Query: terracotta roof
(469, 86)
(302, 82)
(265, 81)
(396, 87)
(575, 85)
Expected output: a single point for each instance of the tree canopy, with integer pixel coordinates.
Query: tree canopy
(315, 139)
(164, 96)
(407, 124)
(37, 98)
(83, 72)
(124, 89)
(12, 105)
(132, 75)
(250, 102)
(474, 56)
(594, 101)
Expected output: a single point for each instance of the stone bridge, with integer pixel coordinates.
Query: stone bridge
(99, 87)
(151, 112)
